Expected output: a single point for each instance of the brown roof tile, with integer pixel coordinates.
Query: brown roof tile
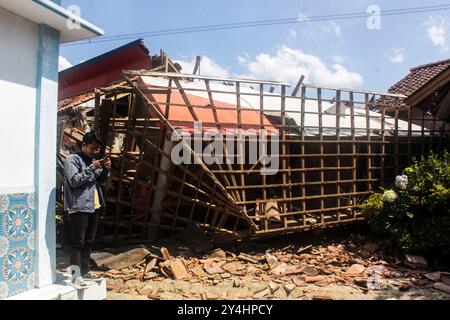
(75, 101)
(419, 77)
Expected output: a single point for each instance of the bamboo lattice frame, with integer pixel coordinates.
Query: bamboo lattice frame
(336, 147)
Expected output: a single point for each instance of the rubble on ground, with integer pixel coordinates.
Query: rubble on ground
(291, 272)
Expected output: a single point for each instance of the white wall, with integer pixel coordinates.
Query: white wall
(18, 74)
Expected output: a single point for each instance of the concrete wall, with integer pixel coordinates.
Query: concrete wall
(18, 72)
(28, 103)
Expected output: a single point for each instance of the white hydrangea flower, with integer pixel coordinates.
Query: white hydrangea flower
(390, 196)
(401, 182)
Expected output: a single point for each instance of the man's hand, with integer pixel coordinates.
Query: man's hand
(107, 164)
(97, 164)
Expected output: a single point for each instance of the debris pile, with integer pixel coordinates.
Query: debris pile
(291, 272)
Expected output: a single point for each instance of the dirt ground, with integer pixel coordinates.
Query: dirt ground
(321, 265)
(179, 290)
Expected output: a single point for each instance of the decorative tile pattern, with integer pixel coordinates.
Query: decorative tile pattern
(17, 244)
(18, 222)
(17, 265)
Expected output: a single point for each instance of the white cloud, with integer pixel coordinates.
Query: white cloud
(64, 64)
(397, 55)
(208, 67)
(437, 31)
(288, 64)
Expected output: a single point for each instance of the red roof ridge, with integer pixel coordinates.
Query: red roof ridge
(104, 69)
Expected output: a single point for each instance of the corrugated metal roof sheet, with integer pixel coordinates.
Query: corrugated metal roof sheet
(226, 104)
(181, 117)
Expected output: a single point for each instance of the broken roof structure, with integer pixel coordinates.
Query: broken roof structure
(224, 96)
(77, 84)
(243, 158)
(332, 152)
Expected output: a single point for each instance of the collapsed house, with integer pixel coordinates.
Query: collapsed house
(242, 158)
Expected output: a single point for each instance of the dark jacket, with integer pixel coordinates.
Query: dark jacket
(80, 181)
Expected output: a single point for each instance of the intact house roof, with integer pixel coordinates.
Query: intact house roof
(419, 77)
(427, 87)
(432, 76)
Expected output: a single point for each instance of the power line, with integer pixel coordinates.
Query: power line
(261, 23)
(264, 23)
(288, 20)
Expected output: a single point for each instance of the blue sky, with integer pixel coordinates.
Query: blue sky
(343, 53)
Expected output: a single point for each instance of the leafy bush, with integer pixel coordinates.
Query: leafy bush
(416, 212)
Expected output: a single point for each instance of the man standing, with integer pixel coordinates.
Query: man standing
(83, 199)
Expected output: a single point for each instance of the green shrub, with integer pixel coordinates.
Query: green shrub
(416, 212)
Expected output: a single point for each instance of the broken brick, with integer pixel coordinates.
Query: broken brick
(442, 287)
(262, 293)
(310, 271)
(120, 261)
(355, 270)
(218, 254)
(146, 290)
(434, 276)
(416, 261)
(247, 258)
(314, 279)
(213, 269)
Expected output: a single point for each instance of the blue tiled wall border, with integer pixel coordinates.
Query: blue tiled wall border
(17, 243)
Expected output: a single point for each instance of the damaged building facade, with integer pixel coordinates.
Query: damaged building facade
(240, 158)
